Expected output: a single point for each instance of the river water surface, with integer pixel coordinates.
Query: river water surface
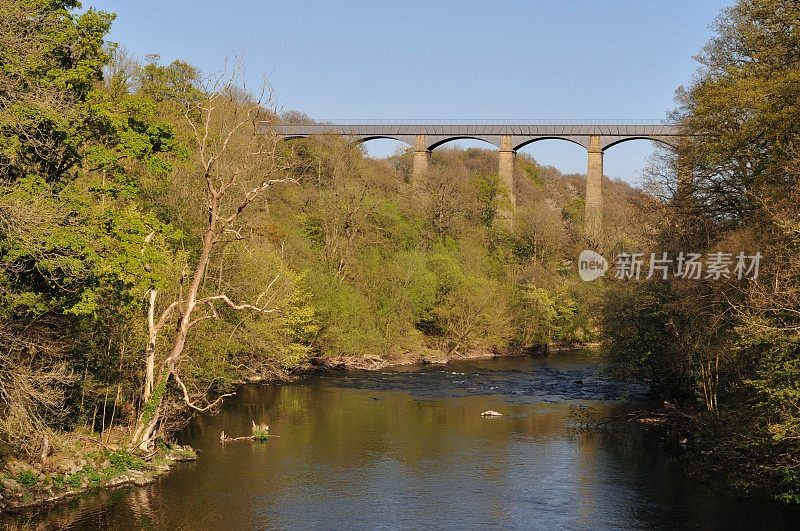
(409, 449)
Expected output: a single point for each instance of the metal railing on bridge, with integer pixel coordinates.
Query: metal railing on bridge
(532, 121)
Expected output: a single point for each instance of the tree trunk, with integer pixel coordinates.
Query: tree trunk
(151, 348)
(152, 410)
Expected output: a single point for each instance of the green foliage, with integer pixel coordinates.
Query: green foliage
(72, 235)
(51, 60)
(174, 84)
(774, 381)
(122, 460)
(640, 341)
(745, 104)
(548, 317)
(729, 348)
(575, 209)
(94, 476)
(533, 171)
(790, 483)
(490, 192)
(75, 481)
(348, 324)
(151, 407)
(26, 479)
(314, 230)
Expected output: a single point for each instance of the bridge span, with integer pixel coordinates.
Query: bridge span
(508, 136)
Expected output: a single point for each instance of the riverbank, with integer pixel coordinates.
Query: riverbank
(428, 357)
(406, 359)
(80, 464)
(424, 357)
(708, 450)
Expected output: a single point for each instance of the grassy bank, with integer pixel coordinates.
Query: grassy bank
(82, 463)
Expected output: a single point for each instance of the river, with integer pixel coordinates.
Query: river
(409, 449)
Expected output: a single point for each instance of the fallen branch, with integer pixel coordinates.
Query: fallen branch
(224, 438)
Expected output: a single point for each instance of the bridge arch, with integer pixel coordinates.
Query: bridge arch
(529, 141)
(382, 146)
(442, 141)
(569, 156)
(631, 158)
(671, 143)
(362, 139)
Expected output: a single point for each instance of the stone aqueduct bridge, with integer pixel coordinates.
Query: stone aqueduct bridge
(595, 136)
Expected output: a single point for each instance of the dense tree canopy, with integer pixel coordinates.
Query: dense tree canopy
(728, 345)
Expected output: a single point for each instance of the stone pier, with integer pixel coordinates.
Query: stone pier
(685, 183)
(594, 190)
(422, 158)
(506, 170)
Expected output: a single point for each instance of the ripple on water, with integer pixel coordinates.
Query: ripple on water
(538, 382)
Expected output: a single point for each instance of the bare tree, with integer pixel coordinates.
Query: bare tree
(238, 153)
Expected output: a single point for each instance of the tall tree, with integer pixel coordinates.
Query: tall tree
(239, 159)
(70, 232)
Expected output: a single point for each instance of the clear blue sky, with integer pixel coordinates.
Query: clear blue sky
(571, 59)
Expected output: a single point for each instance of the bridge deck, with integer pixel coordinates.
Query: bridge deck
(522, 133)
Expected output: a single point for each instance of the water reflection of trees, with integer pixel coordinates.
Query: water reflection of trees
(342, 446)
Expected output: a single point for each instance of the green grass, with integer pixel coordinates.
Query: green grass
(184, 452)
(122, 461)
